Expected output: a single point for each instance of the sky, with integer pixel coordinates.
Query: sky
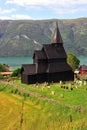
(42, 9)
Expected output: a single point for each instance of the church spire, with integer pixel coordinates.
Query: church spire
(57, 36)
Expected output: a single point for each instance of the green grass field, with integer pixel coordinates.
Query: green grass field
(23, 112)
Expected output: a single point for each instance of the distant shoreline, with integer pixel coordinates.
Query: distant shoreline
(15, 62)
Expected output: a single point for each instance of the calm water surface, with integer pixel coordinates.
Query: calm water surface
(16, 62)
(83, 60)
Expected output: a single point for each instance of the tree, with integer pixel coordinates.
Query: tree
(3, 68)
(16, 72)
(73, 61)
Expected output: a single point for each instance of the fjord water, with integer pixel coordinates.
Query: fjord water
(15, 62)
(83, 60)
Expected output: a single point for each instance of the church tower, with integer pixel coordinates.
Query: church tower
(57, 36)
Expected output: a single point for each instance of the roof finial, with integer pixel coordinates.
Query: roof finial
(57, 36)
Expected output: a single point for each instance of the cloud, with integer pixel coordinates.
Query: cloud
(33, 7)
(6, 11)
(55, 6)
(4, 17)
(16, 17)
(46, 2)
(70, 10)
(30, 2)
(20, 16)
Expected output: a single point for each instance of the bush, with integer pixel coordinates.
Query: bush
(73, 61)
(16, 72)
(3, 68)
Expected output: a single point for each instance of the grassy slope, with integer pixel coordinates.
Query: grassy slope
(10, 112)
(76, 95)
(42, 115)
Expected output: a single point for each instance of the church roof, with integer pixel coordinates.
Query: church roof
(58, 67)
(40, 54)
(54, 51)
(57, 36)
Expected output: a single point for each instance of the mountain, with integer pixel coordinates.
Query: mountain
(22, 37)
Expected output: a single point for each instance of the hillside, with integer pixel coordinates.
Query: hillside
(26, 107)
(22, 37)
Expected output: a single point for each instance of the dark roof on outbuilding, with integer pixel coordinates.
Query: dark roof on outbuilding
(28, 69)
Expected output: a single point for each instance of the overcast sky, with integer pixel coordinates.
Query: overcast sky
(42, 9)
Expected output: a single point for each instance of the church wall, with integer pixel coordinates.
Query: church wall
(32, 79)
(57, 60)
(40, 60)
(63, 76)
(24, 78)
(41, 78)
(49, 77)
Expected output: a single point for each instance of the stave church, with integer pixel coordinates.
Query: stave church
(49, 63)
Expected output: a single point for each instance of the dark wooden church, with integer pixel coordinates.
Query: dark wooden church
(49, 64)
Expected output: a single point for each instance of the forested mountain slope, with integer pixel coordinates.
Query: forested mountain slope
(22, 37)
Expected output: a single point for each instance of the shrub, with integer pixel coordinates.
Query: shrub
(16, 72)
(3, 68)
(73, 61)
(1, 76)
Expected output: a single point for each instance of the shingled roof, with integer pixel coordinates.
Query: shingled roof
(54, 51)
(58, 67)
(28, 69)
(40, 54)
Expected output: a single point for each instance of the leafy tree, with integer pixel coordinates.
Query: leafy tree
(73, 61)
(3, 68)
(16, 72)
